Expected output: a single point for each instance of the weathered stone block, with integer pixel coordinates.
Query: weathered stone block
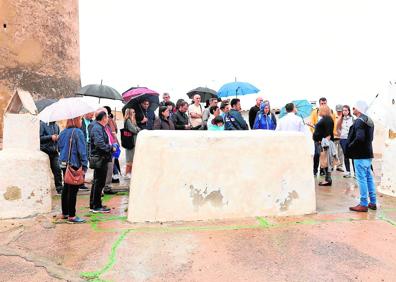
(25, 183)
(200, 175)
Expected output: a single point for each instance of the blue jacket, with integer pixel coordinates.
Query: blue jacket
(263, 121)
(78, 155)
(99, 141)
(46, 131)
(234, 121)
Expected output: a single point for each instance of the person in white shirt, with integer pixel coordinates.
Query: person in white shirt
(195, 112)
(291, 122)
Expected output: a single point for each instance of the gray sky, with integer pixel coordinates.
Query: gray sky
(343, 50)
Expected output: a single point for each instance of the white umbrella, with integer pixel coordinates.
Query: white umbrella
(66, 108)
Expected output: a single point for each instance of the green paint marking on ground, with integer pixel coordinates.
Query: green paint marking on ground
(263, 222)
(95, 275)
(382, 216)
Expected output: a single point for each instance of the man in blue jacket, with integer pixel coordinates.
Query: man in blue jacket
(49, 135)
(233, 119)
(360, 149)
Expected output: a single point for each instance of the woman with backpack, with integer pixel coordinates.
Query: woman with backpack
(163, 122)
(264, 118)
(130, 125)
(343, 126)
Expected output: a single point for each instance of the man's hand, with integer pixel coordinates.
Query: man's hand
(54, 138)
(187, 126)
(144, 120)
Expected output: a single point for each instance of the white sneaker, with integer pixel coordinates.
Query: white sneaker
(127, 176)
(347, 175)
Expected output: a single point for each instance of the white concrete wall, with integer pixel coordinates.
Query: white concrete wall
(26, 179)
(199, 175)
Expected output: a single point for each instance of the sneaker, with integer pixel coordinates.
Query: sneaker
(347, 175)
(83, 187)
(127, 176)
(115, 180)
(101, 210)
(340, 169)
(75, 219)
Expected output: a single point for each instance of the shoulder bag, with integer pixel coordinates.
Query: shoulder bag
(73, 176)
(127, 141)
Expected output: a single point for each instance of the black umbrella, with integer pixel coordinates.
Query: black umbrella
(43, 103)
(100, 91)
(135, 102)
(204, 92)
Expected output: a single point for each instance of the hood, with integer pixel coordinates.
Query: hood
(262, 106)
(367, 120)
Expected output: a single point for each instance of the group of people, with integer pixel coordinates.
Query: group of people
(91, 141)
(83, 143)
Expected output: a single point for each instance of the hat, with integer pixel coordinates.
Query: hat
(361, 106)
(339, 108)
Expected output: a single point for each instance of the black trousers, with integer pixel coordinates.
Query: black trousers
(99, 181)
(56, 171)
(316, 158)
(69, 198)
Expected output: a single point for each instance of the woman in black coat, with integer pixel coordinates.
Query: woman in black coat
(324, 129)
(163, 121)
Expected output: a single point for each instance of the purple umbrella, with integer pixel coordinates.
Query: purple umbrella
(133, 93)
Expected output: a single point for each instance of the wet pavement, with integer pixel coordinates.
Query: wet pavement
(331, 245)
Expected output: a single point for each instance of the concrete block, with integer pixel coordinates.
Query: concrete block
(388, 176)
(201, 175)
(25, 183)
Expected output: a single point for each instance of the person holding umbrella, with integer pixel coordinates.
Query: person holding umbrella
(144, 115)
(73, 152)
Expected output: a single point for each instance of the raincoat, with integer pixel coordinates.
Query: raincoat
(264, 121)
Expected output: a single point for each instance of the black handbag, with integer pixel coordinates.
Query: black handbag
(96, 161)
(127, 140)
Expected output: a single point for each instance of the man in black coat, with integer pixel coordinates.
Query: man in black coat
(180, 118)
(49, 135)
(253, 111)
(360, 149)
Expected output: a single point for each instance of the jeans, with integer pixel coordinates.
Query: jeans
(365, 181)
(343, 143)
(56, 171)
(95, 200)
(69, 198)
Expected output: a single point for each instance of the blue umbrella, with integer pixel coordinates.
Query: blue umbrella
(304, 109)
(236, 88)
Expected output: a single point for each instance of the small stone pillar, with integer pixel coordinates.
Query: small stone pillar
(25, 176)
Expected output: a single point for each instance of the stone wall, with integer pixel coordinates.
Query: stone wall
(201, 175)
(39, 48)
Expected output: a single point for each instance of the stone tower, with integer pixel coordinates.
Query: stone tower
(39, 48)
